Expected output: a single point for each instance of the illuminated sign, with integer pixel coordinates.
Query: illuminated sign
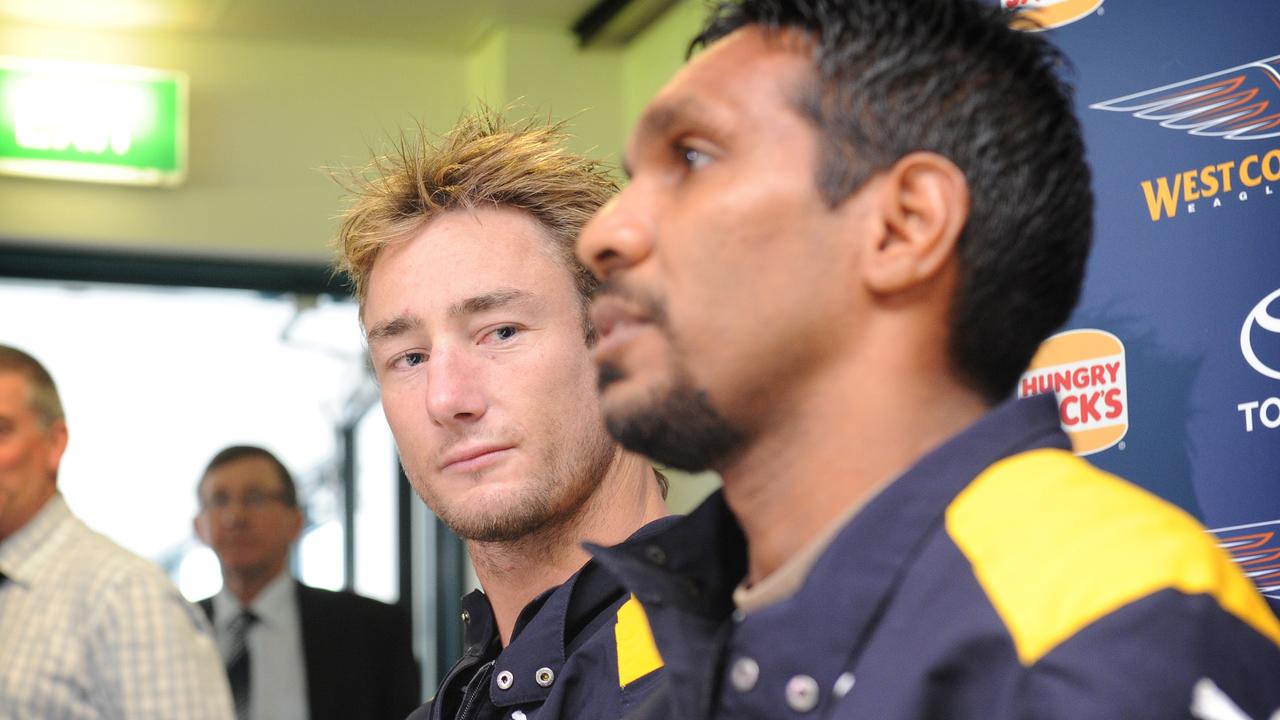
(98, 123)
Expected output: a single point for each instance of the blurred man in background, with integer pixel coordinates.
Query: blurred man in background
(87, 629)
(293, 651)
(849, 226)
(474, 310)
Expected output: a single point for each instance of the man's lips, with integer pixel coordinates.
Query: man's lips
(616, 321)
(474, 457)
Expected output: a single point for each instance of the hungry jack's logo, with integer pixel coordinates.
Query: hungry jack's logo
(1086, 370)
(1046, 14)
(1239, 103)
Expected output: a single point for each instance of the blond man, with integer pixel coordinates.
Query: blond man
(460, 250)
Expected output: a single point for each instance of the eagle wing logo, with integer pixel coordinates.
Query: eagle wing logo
(1256, 549)
(1242, 103)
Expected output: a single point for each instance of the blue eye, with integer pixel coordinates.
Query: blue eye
(506, 332)
(413, 359)
(693, 158)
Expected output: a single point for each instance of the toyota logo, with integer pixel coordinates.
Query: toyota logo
(1260, 317)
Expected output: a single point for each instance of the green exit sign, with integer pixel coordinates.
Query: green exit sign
(98, 123)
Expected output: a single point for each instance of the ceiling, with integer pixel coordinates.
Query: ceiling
(448, 25)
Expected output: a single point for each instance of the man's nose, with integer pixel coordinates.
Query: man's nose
(619, 236)
(455, 393)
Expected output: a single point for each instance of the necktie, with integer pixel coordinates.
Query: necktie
(238, 662)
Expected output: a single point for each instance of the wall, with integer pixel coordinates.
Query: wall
(265, 118)
(655, 55)
(542, 71)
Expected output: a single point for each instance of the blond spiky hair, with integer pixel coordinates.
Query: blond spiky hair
(484, 161)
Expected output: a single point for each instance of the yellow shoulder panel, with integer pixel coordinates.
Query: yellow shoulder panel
(637, 653)
(1019, 523)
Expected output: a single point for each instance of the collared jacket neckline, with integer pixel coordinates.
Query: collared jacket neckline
(685, 576)
(548, 631)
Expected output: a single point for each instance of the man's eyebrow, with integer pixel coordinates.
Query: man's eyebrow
(669, 117)
(658, 120)
(470, 306)
(488, 301)
(661, 119)
(391, 328)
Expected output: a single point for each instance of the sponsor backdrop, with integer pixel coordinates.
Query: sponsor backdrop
(1169, 372)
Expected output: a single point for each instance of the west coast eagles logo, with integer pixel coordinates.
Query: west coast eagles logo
(1240, 103)
(1256, 547)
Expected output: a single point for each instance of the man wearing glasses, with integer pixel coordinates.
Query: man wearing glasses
(293, 651)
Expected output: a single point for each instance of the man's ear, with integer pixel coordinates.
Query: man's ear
(198, 527)
(923, 205)
(56, 446)
(296, 522)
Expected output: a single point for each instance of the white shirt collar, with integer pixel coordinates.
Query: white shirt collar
(273, 606)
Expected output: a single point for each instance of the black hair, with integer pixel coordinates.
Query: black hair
(957, 79)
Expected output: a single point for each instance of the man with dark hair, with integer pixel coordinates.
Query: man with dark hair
(849, 226)
(293, 651)
(475, 311)
(87, 629)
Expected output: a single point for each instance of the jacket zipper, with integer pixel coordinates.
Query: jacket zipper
(479, 684)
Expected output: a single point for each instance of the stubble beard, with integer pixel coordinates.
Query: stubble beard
(678, 426)
(539, 510)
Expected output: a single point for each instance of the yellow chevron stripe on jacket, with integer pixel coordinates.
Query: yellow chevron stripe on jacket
(637, 653)
(1057, 544)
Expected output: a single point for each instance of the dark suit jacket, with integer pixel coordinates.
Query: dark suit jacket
(359, 655)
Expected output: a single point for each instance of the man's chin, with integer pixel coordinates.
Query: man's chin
(677, 427)
(492, 507)
(495, 525)
(243, 565)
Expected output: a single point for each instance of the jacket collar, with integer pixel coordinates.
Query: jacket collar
(685, 576)
(546, 632)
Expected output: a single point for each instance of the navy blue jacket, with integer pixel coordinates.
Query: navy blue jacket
(1000, 577)
(579, 651)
